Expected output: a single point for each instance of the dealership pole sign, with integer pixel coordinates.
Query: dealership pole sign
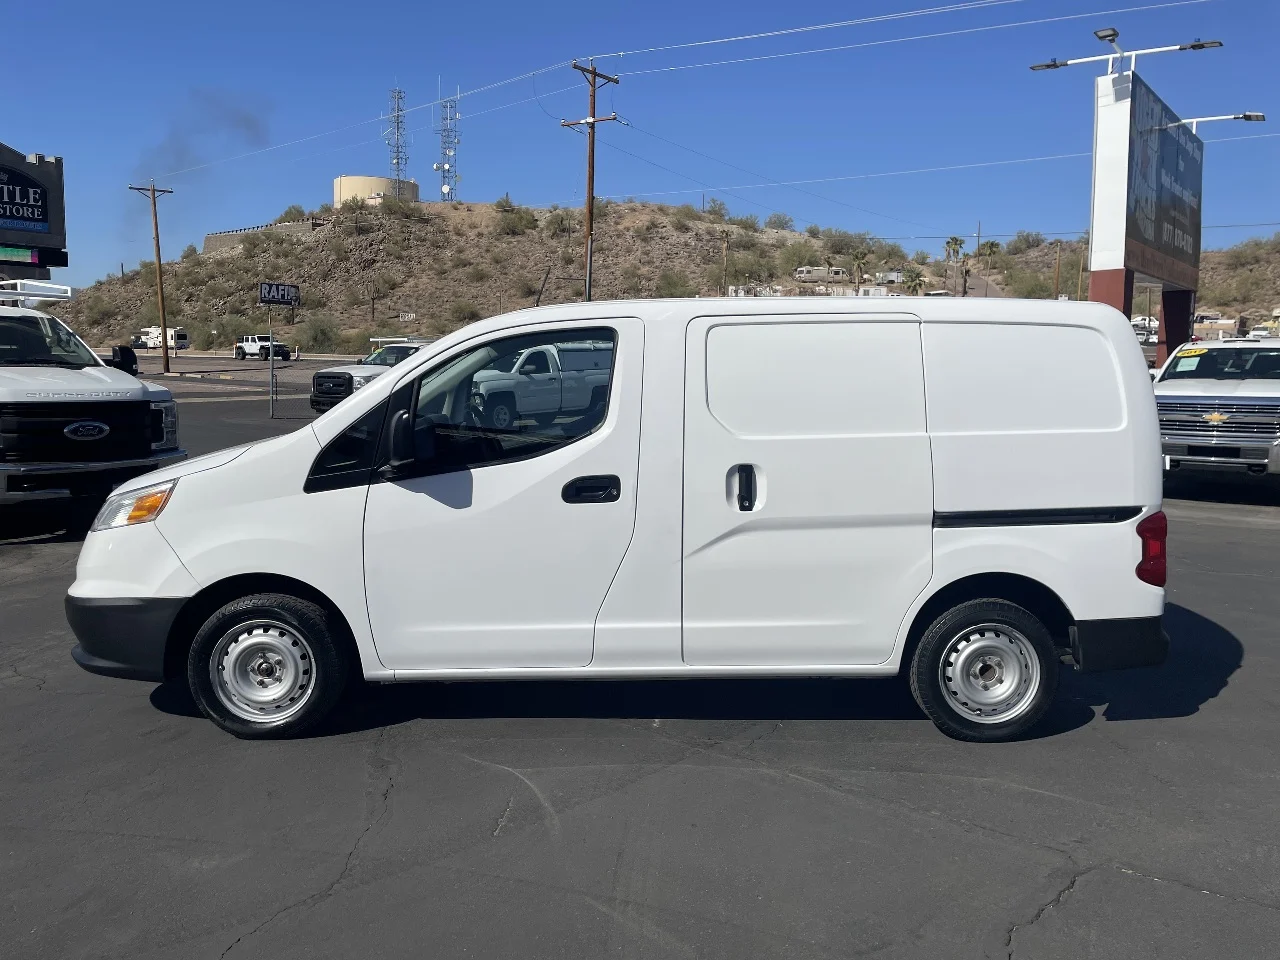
(32, 214)
(1148, 172)
(278, 294)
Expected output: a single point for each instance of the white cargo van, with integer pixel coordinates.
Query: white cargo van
(967, 490)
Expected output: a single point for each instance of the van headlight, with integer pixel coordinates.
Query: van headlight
(361, 380)
(164, 425)
(136, 506)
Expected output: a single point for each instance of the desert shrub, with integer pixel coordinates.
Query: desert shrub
(336, 248)
(526, 287)
(321, 335)
(352, 205)
(398, 208)
(632, 280)
(920, 257)
(717, 211)
(252, 244)
(1023, 241)
(683, 216)
(674, 283)
(559, 222)
(189, 252)
(515, 221)
(476, 274)
(748, 221)
(568, 257)
(813, 230)
(779, 221)
(503, 203)
(464, 311)
(840, 243)
(292, 214)
(798, 253)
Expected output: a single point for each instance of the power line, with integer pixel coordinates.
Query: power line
(922, 36)
(779, 183)
(531, 74)
(861, 21)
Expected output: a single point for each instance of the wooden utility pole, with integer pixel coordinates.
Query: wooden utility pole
(1057, 271)
(152, 192)
(593, 78)
(1080, 276)
(724, 285)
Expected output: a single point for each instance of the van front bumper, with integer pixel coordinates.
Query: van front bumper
(122, 637)
(26, 482)
(1098, 645)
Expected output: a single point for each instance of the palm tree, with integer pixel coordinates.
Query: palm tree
(858, 263)
(954, 246)
(913, 279)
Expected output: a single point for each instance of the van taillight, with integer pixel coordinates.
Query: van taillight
(1153, 531)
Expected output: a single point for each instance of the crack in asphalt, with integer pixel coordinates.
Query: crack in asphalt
(381, 809)
(1044, 908)
(502, 820)
(764, 736)
(1194, 888)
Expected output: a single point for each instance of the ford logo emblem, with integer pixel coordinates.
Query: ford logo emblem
(87, 430)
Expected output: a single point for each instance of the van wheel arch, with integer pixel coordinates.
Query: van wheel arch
(1032, 595)
(200, 607)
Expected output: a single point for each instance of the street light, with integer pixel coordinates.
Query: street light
(1196, 121)
(1111, 35)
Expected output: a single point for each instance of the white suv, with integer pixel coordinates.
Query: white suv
(1219, 405)
(259, 345)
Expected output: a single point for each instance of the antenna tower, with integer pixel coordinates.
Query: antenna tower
(448, 164)
(396, 141)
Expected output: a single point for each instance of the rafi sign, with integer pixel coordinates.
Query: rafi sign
(278, 295)
(24, 202)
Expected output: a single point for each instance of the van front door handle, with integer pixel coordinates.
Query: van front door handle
(602, 489)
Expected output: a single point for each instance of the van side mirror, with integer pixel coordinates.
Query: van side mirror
(401, 447)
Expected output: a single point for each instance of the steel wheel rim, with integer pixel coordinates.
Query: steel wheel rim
(262, 671)
(989, 673)
(501, 417)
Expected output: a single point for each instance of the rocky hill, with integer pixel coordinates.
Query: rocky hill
(362, 267)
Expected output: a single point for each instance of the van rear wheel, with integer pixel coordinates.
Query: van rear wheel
(985, 671)
(267, 666)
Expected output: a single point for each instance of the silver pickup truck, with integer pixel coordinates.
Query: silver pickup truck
(542, 382)
(1219, 406)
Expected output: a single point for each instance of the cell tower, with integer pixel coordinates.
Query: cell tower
(396, 142)
(448, 165)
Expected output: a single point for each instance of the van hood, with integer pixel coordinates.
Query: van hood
(59, 384)
(1227, 389)
(208, 461)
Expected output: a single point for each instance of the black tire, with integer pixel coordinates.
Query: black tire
(996, 625)
(318, 679)
(239, 354)
(263, 355)
(500, 412)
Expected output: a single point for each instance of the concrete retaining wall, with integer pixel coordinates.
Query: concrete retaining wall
(226, 239)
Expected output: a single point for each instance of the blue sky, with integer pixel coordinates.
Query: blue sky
(149, 89)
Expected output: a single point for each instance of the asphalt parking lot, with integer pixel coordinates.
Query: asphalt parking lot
(659, 819)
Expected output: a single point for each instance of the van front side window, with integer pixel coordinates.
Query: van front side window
(480, 410)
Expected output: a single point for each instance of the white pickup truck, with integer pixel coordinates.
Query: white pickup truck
(1219, 405)
(72, 425)
(542, 382)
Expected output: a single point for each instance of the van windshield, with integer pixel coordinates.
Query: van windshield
(1225, 363)
(35, 340)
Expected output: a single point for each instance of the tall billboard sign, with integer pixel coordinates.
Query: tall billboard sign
(1148, 174)
(32, 213)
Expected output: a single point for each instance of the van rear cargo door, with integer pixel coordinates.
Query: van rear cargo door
(808, 490)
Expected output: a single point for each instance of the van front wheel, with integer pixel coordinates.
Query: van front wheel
(267, 666)
(985, 671)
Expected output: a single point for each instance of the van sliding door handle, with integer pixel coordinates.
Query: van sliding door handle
(746, 487)
(604, 489)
